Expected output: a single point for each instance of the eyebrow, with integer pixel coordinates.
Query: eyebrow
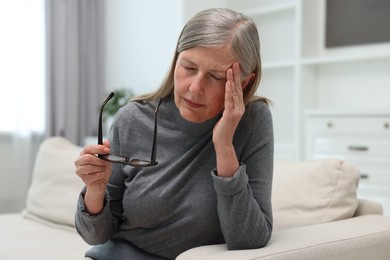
(182, 58)
(212, 70)
(219, 71)
(223, 71)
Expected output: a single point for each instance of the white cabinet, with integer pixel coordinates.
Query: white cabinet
(360, 138)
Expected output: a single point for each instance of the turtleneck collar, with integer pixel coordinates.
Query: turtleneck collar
(190, 128)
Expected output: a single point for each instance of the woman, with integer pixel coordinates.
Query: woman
(212, 183)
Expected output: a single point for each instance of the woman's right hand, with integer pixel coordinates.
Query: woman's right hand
(95, 173)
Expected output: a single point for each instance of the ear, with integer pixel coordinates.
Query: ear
(248, 79)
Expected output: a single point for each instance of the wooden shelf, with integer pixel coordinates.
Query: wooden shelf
(279, 65)
(270, 10)
(344, 58)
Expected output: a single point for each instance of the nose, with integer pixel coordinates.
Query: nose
(197, 85)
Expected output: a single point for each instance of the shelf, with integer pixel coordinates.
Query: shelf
(344, 59)
(345, 112)
(278, 65)
(270, 9)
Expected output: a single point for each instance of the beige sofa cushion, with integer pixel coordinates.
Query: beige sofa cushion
(55, 187)
(313, 192)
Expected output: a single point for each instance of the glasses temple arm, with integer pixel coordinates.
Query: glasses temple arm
(100, 129)
(153, 156)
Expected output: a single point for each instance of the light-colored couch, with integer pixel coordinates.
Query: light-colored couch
(316, 214)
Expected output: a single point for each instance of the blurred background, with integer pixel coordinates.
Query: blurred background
(324, 61)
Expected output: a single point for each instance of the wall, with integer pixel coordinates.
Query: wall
(191, 7)
(140, 42)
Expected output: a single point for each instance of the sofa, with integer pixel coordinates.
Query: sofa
(317, 214)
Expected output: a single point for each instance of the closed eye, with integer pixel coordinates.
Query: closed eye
(217, 77)
(189, 68)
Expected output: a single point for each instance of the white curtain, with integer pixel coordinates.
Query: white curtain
(22, 82)
(51, 81)
(75, 40)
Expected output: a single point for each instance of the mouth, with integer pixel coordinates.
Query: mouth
(192, 104)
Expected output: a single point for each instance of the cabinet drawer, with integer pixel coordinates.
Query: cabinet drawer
(348, 124)
(373, 172)
(351, 147)
(381, 179)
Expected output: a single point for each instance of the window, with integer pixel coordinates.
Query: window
(22, 65)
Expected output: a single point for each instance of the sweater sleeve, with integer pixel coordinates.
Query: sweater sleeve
(94, 229)
(97, 229)
(244, 200)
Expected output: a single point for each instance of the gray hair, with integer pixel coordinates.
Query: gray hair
(217, 27)
(214, 28)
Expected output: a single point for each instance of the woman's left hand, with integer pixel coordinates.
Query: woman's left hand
(234, 108)
(223, 133)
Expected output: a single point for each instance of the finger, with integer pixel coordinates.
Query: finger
(96, 149)
(229, 75)
(237, 78)
(228, 95)
(232, 75)
(89, 169)
(90, 174)
(89, 159)
(231, 79)
(107, 143)
(230, 89)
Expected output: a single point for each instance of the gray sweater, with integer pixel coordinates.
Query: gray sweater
(161, 211)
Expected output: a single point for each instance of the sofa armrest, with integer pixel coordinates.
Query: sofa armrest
(360, 238)
(367, 207)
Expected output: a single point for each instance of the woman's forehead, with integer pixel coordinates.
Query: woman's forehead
(217, 59)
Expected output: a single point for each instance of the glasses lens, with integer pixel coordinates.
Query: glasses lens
(125, 160)
(114, 158)
(140, 163)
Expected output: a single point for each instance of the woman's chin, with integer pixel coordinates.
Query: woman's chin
(191, 117)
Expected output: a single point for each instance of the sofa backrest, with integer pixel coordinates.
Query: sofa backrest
(304, 193)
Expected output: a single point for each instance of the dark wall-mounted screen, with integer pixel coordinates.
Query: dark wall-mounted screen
(352, 22)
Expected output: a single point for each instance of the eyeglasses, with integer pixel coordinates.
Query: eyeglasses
(126, 160)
